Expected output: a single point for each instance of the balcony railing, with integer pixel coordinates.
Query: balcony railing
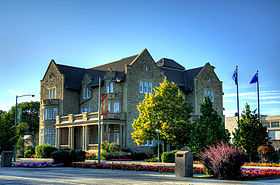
(51, 101)
(91, 117)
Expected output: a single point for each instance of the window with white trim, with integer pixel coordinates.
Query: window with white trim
(209, 93)
(49, 136)
(145, 87)
(50, 113)
(274, 134)
(51, 93)
(86, 93)
(274, 124)
(116, 106)
(110, 87)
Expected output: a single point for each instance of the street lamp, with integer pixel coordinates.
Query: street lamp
(24, 95)
(157, 131)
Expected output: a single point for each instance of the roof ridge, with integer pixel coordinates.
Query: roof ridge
(116, 61)
(63, 65)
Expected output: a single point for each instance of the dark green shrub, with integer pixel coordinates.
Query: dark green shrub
(139, 156)
(29, 152)
(44, 151)
(153, 159)
(223, 161)
(62, 156)
(113, 147)
(168, 157)
(78, 155)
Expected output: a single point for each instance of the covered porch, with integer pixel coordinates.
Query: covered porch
(83, 134)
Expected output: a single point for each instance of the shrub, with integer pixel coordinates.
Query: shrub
(139, 156)
(68, 156)
(29, 152)
(168, 157)
(44, 151)
(91, 156)
(78, 155)
(223, 161)
(265, 152)
(62, 156)
(110, 147)
(153, 159)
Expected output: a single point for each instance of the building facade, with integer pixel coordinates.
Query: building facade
(69, 98)
(272, 123)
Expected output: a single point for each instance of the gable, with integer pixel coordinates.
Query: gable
(52, 70)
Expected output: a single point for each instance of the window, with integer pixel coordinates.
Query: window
(110, 87)
(274, 134)
(51, 93)
(149, 143)
(145, 87)
(50, 113)
(86, 93)
(274, 124)
(116, 106)
(209, 93)
(84, 109)
(49, 136)
(266, 124)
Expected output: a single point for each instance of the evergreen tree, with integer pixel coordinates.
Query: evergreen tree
(208, 128)
(164, 110)
(250, 133)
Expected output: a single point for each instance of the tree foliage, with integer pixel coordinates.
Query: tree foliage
(166, 111)
(250, 133)
(9, 133)
(208, 129)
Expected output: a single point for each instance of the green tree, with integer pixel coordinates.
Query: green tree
(250, 133)
(7, 131)
(208, 128)
(164, 110)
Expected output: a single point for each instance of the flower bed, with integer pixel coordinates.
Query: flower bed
(258, 172)
(35, 164)
(263, 164)
(136, 167)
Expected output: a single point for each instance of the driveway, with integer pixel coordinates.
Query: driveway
(79, 176)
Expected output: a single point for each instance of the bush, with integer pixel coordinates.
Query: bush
(29, 152)
(68, 156)
(44, 151)
(78, 155)
(153, 159)
(139, 156)
(110, 147)
(223, 161)
(91, 156)
(168, 157)
(62, 156)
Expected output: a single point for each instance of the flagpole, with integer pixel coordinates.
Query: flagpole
(237, 93)
(258, 92)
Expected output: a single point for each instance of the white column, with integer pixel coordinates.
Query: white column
(86, 137)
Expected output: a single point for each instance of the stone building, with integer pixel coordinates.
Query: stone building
(69, 98)
(272, 123)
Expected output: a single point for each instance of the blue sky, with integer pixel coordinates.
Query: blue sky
(87, 33)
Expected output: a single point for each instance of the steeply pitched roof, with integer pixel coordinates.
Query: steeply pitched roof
(118, 65)
(189, 76)
(169, 63)
(73, 76)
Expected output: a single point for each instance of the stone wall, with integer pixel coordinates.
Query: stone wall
(144, 68)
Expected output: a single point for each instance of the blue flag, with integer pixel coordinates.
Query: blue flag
(255, 78)
(235, 76)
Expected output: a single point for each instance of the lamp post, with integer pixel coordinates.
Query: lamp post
(157, 131)
(98, 126)
(16, 109)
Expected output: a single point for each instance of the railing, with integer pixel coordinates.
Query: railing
(88, 117)
(51, 101)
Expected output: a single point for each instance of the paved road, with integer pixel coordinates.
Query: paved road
(103, 177)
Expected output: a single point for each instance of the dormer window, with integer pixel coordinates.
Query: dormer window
(86, 93)
(146, 67)
(145, 87)
(110, 87)
(51, 93)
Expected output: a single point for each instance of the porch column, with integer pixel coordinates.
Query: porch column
(57, 138)
(86, 137)
(121, 136)
(71, 137)
(101, 133)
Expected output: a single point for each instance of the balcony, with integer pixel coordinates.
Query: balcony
(51, 101)
(88, 118)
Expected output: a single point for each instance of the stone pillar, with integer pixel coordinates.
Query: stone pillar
(86, 137)
(71, 137)
(121, 136)
(57, 138)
